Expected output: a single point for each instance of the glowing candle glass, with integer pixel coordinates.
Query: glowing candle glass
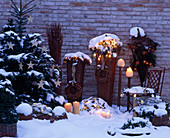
(104, 114)
(68, 107)
(121, 63)
(129, 72)
(108, 115)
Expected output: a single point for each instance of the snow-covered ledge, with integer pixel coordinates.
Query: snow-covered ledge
(78, 55)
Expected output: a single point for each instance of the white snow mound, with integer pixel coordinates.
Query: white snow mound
(139, 89)
(160, 112)
(59, 110)
(49, 97)
(134, 32)
(25, 109)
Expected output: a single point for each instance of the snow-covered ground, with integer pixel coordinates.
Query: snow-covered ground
(82, 126)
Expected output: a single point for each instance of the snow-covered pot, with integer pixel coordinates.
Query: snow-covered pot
(78, 60)
(160, 118)
(59, 113)
(25, 111)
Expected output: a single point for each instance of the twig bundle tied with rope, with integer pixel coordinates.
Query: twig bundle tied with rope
(55, 41)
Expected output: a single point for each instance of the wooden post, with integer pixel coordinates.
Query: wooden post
(129, 82)
(128, 95)
(119, 86)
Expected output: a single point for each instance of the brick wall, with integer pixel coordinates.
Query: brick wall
(84, 19)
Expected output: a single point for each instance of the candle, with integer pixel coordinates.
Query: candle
(134, 105)
(104, 114)
(129, 72)
(75, 107)
(68, 107)
(108, 115)
(121, 63)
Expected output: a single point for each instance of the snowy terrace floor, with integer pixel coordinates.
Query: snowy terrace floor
(82, 126)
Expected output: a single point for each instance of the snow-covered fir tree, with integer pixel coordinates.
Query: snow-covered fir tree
(31, 71)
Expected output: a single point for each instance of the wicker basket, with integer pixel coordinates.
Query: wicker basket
(43, 117)
(160, 121)
(8, 130)
(23, 117)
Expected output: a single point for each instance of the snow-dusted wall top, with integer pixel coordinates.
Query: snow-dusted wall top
(78, 55)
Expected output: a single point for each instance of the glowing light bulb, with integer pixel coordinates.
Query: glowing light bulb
(134, 95)
(142, 101)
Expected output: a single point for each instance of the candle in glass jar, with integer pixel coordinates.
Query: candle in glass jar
(75, 107)
(68, 107)
(108, 115)
(104, 114)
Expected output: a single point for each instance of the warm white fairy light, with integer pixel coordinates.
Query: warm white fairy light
(134, 95)
(122, 95)
(142, 101)
(94, 55)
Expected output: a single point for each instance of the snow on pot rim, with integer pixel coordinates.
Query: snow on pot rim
(25, 109)
(160, 112)
(94, 42)
(78, 55)
(59, 110)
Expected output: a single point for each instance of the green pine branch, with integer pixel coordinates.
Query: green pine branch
(20, 15)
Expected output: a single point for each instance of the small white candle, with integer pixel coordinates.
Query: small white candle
(104, 114)
(129, 72)
(75, 107)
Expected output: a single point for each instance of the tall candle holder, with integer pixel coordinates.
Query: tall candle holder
(120, 64)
